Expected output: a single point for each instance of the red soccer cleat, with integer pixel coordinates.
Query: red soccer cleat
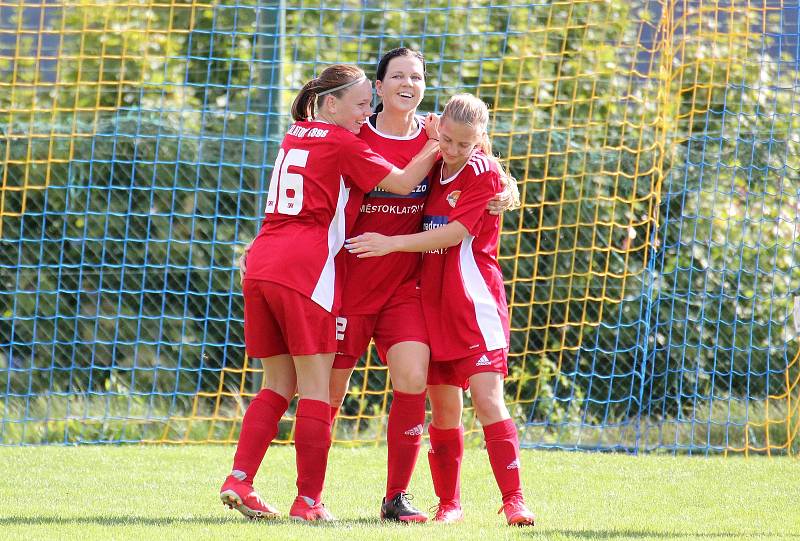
(448, 511)
(517, 513)
(305, 509)
(241, 496)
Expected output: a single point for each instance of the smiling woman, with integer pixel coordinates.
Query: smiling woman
(290, 303)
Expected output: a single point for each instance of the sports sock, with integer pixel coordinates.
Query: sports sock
(259, 428)
(444, 456)
(404, 439)
(502, 445)
(312, 441)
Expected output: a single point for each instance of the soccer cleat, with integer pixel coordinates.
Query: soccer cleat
(517, 513)
(399, 509)
(241, 496)
(448, 511)
(305, 509)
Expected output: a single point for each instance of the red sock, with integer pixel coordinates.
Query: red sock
(259, 428)
(447, 449)
(312, 440)
(502, 445)
(404, 439)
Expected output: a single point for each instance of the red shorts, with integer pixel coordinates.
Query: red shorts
(458, 372)
(279, 320)
(400, 320)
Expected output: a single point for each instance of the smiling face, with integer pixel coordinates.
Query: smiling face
(352, 109)
(403, 86)
(456, 141)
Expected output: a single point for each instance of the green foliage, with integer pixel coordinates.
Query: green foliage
(651, 267)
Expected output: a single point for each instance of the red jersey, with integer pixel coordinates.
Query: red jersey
(463, 297)
(319, 179)
(370, 282)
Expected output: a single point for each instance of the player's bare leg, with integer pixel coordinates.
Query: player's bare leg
(340, 382)
(502, 444)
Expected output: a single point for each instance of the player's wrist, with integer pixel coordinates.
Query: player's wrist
(398, 244)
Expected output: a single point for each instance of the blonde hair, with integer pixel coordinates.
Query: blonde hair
(469, 110)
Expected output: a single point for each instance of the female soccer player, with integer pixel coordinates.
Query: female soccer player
(292, 284)
(465, 308)
(381, 299)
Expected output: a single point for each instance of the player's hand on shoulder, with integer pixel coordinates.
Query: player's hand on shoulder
(508, 199)
(432, 126)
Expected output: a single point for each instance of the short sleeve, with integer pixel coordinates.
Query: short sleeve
(363, 166)
(472, 202)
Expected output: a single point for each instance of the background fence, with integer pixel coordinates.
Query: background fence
(651, 272)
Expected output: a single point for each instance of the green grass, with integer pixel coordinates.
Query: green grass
(141, 492)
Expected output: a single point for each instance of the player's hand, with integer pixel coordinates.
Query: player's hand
(243, 262)
(508, 199)
(432, 126)
(370, 245)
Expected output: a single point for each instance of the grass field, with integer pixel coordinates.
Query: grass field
(141, 492)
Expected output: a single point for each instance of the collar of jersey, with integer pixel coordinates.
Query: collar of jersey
(452, 177)
(395, 137)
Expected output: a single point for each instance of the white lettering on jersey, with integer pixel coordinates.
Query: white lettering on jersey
(420, 188)
(427, 226)
(299, 131)
(369, 208)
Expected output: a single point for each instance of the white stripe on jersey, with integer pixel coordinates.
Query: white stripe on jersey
(479, 164)
(325, 288)
(485, 306)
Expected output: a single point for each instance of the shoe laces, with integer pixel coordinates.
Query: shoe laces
(516, 503)
(443, 506)
(403, 498)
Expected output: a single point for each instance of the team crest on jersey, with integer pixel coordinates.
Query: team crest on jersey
(452, 197)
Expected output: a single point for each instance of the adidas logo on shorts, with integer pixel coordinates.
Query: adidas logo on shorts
(415, 431)
(483, 361)
(514, 465)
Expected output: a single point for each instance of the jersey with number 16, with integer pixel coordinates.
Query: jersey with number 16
(320, 176)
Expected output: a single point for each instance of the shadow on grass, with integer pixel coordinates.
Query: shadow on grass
(376, 523)
(173, 521)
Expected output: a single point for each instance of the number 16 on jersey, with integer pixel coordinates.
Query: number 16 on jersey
(285, 194)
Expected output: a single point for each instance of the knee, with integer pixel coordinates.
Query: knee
(489, 408)
(446, 415)
(412, 380)
(286, 387)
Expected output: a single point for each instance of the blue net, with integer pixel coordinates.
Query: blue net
(651, 271)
